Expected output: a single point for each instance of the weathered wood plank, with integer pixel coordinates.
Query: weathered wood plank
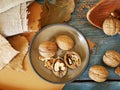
(93, 86)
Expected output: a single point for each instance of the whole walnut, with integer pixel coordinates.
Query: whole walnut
(98, 73)
(111, 58)
(111, 26)
(65, 42)
(47, 49)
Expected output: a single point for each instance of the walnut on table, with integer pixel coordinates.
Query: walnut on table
(111, 58)
(98, 73)
(111, 26)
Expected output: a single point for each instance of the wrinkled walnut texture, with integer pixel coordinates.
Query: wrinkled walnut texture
(111, 58)
(98, 73)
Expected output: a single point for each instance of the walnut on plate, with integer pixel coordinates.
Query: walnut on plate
(49, 63)
(72, 59)
(59, 68)
(47, 49)
(111, 58)
(64, 42)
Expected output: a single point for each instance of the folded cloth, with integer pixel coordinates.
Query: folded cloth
(7, 53)
(7, 4)
(14, 20)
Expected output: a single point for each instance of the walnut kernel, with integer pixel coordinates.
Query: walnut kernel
(72, 59)
(49, 63)
(59, 68)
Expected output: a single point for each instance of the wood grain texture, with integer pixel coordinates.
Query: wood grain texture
(102, 41)
(93, 86)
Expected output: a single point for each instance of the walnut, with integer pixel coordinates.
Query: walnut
(49, 63)
(64, 42)
(41, 58)
(72, 59)
(59, 68)
(98, 73)
(47, 49)
(111, 26)
(111, 58)
(117, 71)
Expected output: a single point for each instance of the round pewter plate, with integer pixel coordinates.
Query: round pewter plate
(50, 33)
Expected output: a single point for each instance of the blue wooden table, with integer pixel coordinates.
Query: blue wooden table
(103, 43)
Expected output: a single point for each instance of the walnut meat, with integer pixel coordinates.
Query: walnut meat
(64, 42)
(49, 63)
(72, 59)
(59, 68)
(47, 49)
(98, 73)
(111, 58)
(41, 58)
(111, 26)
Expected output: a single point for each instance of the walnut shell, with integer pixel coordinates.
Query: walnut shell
(111, 26)
(98, 73)
(64, 42)
(59, 68)
(47, 49)
(72, 59)
(111, 58)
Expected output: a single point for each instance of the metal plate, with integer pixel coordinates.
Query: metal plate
(49, 33)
